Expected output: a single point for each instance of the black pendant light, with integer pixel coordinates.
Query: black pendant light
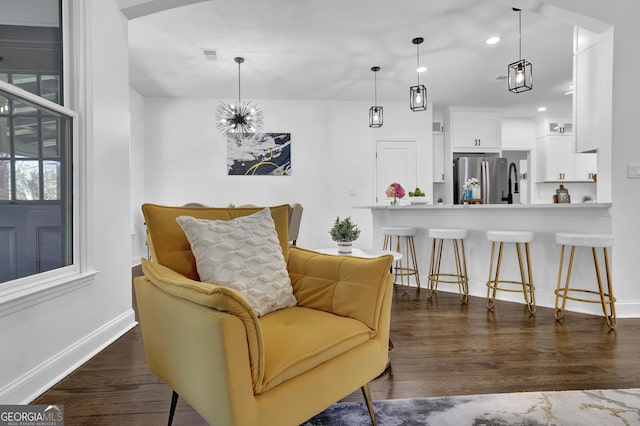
(242, 118)
(520, 72)
(418, 93)
(375, 112)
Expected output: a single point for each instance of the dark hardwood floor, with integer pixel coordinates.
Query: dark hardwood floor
(440, 348)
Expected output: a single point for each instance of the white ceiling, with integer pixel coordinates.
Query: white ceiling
(324, 50)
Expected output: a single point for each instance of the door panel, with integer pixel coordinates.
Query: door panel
(396, 161)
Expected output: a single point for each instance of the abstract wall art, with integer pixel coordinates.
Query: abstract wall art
(259, 154)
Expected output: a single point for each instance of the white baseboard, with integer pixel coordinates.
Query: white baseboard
(34, 383)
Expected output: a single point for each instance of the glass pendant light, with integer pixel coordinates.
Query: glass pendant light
(242, 118)
(418, 93)
(375, 112)
(520, 72)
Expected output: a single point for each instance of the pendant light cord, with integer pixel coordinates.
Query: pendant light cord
(520, 33)
(238, 83)
(418, 61)
(375, 88)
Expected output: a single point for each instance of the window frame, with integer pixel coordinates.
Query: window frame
(18, 294)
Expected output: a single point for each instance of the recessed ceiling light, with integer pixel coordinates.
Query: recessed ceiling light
(493, 40)
(542, 109)
(421, 69)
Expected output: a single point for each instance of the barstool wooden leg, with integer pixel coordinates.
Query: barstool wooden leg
(434, 268)
(609, 314)
(532, 289)
(493, 284)
(438, 263)
(559, 312)
(526, 286)
(404, 264)
(459, 277)
(493, 246)
(464, 268)
(430, 278)
(414, 259)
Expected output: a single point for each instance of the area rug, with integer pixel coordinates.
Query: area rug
(567, 408)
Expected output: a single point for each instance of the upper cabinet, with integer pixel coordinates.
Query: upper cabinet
(474, 129)
(593, 86)
(558, 162)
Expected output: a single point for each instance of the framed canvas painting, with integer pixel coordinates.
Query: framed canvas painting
(259, 154)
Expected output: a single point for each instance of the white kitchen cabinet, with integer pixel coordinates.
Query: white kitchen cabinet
(474, 130)
(586, 166)
(558, 155)
(438, 158)
(593, 85)
(558, 161)
(586, 99)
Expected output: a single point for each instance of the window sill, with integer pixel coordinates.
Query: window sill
(23, 293)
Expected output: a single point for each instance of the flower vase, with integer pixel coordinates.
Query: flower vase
(394, 202)
(475, 193)
(344, 246)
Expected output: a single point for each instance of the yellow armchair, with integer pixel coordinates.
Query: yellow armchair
(234, 368)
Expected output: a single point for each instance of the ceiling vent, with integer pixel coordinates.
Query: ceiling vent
(498, 79)
(210, 54)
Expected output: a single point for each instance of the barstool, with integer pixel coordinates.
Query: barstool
(457, 237)
(493, 284)
(409, 266)
(594, 241)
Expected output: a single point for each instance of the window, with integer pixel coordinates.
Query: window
(36, 232)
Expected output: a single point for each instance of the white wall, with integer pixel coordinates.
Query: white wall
(518, 133)
(47, 339)
(625, 147)
(137, 145)
(332, 155)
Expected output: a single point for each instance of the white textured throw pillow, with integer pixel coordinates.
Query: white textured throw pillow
(244, 254)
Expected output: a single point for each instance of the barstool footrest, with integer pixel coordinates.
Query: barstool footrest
(494, 284)
(436, 278)
(606, 296)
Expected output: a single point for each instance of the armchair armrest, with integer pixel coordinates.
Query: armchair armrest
(220, 298)
(348, 286)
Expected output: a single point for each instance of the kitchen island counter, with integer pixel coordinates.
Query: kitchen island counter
(543, 219)
(491, 206)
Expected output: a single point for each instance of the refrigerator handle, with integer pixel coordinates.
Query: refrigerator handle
(484, 168)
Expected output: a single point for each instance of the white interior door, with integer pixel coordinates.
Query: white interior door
(396, 161)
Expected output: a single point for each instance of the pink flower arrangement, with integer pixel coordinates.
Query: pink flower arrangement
(395, 190)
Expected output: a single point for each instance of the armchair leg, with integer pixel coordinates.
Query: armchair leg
(174, 402)
(367, 399)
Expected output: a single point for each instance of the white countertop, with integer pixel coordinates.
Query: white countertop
(560, 206)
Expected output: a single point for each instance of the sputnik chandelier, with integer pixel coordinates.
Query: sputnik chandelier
(239, 118)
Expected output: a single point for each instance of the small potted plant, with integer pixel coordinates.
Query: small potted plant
(440, 201)
(344, 232)
(587, 199)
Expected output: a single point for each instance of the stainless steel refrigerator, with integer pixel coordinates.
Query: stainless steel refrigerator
(491, 172)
